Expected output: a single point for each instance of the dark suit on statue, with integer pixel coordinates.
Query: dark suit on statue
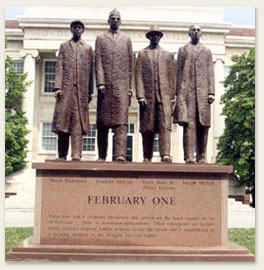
(113, 56)
(74, 76)
(195, 82)
(155, 84)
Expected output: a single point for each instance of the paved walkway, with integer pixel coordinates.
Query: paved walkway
(19, 217)
(239, 216)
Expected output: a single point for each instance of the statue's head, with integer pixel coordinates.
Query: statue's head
(114, 19)
(154, 35)
(77, 28)
(195, 33)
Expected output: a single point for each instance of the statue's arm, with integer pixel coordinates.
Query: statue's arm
(171, 69)
(91, 75)
(211, 80)
(139, 80)
(179, 69)
(59, 70)
(130, 59)
(100, 80)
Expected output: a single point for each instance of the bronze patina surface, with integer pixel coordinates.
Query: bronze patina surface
(155, 93)
(113, 62)
(73, 90)
(195, 93)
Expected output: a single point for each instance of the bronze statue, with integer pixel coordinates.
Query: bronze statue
(73, 92)
(195, 93)
(113, 59)
(155, 94)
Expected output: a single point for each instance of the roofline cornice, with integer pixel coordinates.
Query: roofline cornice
(24, 23)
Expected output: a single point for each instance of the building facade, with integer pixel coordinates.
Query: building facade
(33, 41)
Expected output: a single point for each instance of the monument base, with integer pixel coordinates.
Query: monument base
(100, 211)
(28, 251)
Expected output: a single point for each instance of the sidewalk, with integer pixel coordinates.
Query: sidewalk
(19, 217)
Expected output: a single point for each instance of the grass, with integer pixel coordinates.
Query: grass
(15, 235)
(243, 237)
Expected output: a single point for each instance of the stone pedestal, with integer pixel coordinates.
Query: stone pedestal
(130, 212)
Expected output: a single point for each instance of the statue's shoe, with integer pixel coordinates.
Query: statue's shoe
(201, 161)
(61, 158)
(101, 159)
(189, 161)
(146, 160)
(120, 158)
(76, 158)
(166, 159)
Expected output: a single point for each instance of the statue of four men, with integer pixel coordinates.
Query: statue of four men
(155, 90)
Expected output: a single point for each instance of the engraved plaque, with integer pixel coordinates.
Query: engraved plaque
(130, 209)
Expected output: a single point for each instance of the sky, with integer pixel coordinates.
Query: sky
(242, 15)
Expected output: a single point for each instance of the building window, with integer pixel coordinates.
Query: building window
(90, 139)
(49, 75)
(18, 66)
(49, 138)
(131, 129)
(156, 143)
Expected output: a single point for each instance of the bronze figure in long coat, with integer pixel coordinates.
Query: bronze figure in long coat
(155, 93)
(113, 60)
(195, 92)
(73, 90)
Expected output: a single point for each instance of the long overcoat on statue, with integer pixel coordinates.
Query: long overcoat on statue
(113, 64)
(69, 66)
(194, 82)
(145, 86)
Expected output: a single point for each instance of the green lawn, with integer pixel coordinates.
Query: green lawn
(243, 237)
(16, 235)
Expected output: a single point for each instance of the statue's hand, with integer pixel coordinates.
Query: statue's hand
(129, 98)
(101, 88)
(211, 99)
(142, 102)
(173, 101)
(58, 94)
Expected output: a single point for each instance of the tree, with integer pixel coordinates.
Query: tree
(237, 144)
(15, 125)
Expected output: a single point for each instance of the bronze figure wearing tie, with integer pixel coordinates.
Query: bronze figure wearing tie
(155, 93)
(113, 59)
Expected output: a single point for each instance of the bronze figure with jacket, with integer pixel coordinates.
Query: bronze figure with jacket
(113, 62)
(73, 91)
(195, 93)
(155, 93)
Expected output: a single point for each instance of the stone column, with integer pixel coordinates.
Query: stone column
(28, 101)
(218, 121)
